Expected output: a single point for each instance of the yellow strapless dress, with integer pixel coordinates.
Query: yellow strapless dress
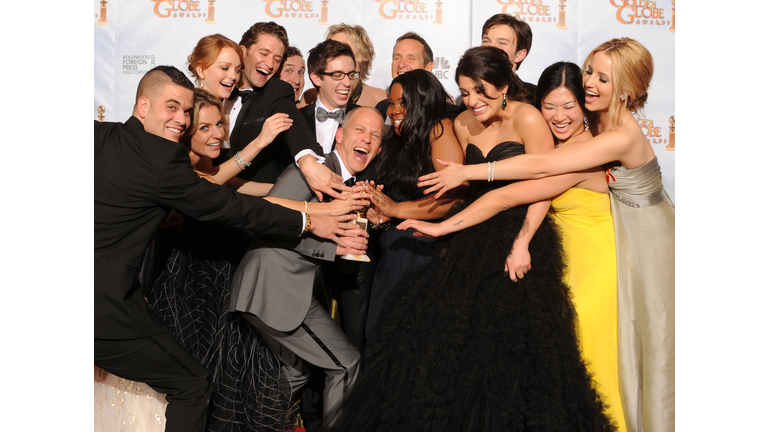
(586, 225)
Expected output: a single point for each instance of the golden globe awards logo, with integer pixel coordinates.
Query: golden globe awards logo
(178, 9)
(408, 9)
(527, 10)
(639, 12)
(653, 133)
(290, 9)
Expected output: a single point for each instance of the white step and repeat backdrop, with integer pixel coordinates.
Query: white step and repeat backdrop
(131, 37)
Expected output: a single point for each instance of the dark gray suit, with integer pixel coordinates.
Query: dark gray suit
(273, 288)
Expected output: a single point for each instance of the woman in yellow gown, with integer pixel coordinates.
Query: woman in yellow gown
(581, 208)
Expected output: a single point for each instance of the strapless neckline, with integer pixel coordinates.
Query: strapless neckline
(500, 146)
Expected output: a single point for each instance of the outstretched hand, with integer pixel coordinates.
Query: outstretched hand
(444, 180)
(336, 228)
(357, 198)
(423, 229)
(383, 204)
(321, 179)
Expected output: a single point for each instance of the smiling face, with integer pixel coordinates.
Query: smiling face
(167, 114)
(335, 94)
(209, 133)
(395, 109)
(598, 83)
(562, 112)
(482, 106)
(360, 138)
(293, 73)
(221, 76)
(408, 55)
(262, 60)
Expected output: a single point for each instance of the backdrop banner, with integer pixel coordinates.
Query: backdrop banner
(132, 37)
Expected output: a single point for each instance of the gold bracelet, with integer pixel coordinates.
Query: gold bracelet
(309, 224)
(305, 207)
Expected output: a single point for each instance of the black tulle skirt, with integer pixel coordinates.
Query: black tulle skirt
(190, 292)
(460, 347)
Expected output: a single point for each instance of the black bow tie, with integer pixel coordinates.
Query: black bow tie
(323, 115)
(244, 94)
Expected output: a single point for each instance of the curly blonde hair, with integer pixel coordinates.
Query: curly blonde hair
(363, 46)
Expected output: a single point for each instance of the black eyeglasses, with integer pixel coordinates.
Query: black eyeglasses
(339, 75)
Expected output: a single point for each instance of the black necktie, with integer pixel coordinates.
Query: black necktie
(323, 115)
(350, 181)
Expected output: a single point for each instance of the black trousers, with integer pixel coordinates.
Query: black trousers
(161, 363)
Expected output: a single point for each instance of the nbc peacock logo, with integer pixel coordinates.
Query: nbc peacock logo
(441, 67)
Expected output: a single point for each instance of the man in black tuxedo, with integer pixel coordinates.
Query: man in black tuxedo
(332, 71)
(264, 94)
(141, 173)
(274, 284)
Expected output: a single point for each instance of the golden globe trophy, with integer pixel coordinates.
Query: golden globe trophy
(561, 16)
(323, 13)
(671, 145)
(362, 222)
(101, 110)
(102, 13)
(211, 19)
(672, 29)
(438, 14)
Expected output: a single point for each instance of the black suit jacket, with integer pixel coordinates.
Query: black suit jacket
(275, 97)
(138, 179)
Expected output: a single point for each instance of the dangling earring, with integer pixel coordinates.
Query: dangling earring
(504, 102)
(586, 123)
(623, 97)
(202, 85)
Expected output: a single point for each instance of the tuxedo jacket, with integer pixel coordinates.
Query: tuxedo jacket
(308, 112)
(275, 97)
(275, 279)
(138, 179)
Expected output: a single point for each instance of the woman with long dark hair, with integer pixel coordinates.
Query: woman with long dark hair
(581, 210)
(421, 133)
(460, 346)
(616, 78)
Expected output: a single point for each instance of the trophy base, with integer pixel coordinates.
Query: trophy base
(361, 258)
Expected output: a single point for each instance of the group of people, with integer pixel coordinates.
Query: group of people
(520, 250)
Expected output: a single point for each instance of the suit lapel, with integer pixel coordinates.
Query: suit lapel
(240, 117)
(309, 116)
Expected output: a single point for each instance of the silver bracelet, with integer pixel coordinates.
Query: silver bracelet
(493, 172)
(240, 161)
(489, 172)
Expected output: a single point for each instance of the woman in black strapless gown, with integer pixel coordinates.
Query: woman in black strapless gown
(460, 346)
